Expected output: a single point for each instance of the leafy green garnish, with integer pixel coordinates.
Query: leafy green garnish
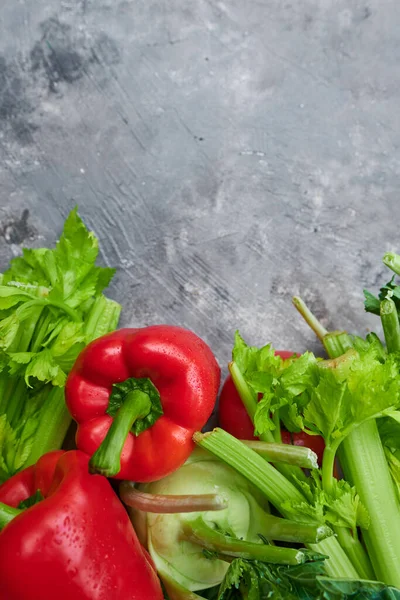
(51, 306)
(340, 506)
(253, 580)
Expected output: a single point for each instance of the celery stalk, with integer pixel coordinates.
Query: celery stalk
(365, 466)
(276, 488)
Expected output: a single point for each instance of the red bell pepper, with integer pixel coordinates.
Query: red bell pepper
(234, 419)
(138, 396)
(26, 483)
(76, 543)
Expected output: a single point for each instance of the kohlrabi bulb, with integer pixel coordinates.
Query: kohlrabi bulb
(183, 560)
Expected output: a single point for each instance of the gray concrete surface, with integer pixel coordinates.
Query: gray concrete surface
(227, 154)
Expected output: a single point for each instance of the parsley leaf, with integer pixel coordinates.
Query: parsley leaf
(253, 580)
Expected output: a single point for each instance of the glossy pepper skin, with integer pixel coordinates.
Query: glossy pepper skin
(77, 543)
(234, 419)
(182, 368)
(27, 482)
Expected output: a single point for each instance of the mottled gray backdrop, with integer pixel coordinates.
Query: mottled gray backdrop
(227, 154)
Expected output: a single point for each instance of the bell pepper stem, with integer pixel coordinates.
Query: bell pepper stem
(7, 514)
(204, 535)
(107, 458)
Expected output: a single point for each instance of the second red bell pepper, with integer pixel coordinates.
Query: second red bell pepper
(76, 542)
(138, 396)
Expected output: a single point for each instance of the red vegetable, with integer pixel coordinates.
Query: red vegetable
(138, 396)
(76, 543)
(27, 482)
(233, 418)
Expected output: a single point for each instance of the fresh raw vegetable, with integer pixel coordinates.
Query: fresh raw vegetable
(240, 528)
(340, 399)
(138, 395)
(254, 580)
(241, 519)
(233, 417)
(232, 414)
(32, 483)
(366, 381)
(77, 542)
(51, 306)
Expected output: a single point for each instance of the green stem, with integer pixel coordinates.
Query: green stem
(10, 387)
(250, 402)
(107, 458)
(299, 456)
(277, 431)
(17, 402)
(65, 308)
(276, 488)
(337, 343)
(390, 324)
(248, 397)
(308, 316)
(328, 463)
(102, 318)
(7, 514)
(287, 530)
(339, 564)
(7, 390)
(53, 425)
(41, 330)
(392, 260)
(264, 476)
(4, 383)
(352, 545)
(200, 533)
(365, 466)
(355, 551)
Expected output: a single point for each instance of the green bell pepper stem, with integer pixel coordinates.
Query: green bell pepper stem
(107, 458)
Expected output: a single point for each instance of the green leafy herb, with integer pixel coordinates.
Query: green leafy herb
(254, 580)
(51, 306)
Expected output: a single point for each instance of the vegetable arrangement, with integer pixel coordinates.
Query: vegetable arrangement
(296, 495)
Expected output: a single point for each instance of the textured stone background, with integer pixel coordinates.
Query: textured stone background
(228, 154)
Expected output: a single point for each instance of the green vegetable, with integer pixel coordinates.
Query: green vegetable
(192, 548)
(309, 506)
(371, 389)
(259, 581)
(51, 306)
